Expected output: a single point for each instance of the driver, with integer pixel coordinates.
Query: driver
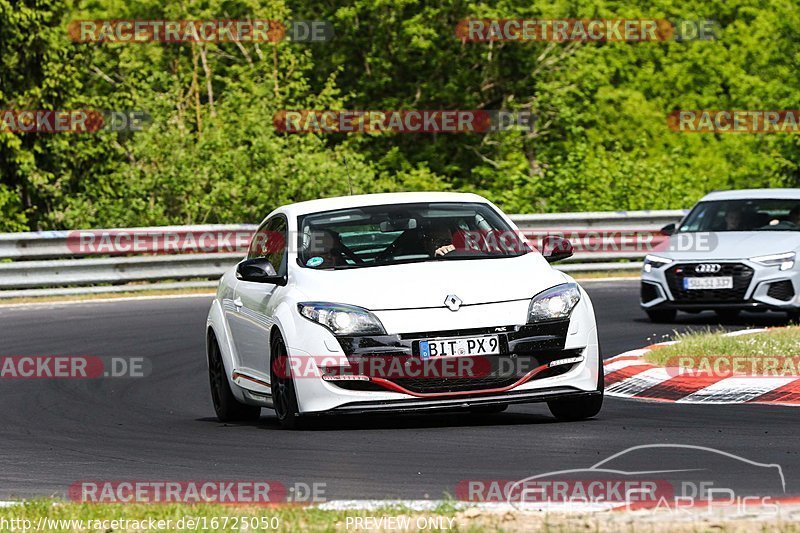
(733, 219)
(438, 241)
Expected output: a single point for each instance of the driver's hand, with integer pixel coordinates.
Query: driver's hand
(444, 250)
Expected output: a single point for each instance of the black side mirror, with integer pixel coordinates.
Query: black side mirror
(556, 248)
(668, 230)
(259, 270)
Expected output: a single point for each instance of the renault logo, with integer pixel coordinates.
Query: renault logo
(708, 268)
(452, 302)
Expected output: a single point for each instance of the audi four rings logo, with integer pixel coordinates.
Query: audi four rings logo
(708, 268)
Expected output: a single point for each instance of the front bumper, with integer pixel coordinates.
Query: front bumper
(401, 406)
(540, 344)
(755, 287)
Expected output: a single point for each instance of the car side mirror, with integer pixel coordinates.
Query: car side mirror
(259, 270)
(668, 230)
(556, 248)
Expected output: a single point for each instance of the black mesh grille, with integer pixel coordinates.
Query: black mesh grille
(781, 290)
(649, 292)
(741, 274)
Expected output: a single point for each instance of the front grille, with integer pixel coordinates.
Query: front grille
(526, 347)
(649, 292)
(741, 274)
(781, 290)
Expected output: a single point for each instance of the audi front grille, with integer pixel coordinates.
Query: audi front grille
(741, 274)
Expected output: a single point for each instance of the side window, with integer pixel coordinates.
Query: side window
(270, 242)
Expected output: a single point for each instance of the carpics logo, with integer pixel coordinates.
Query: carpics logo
(663, 477)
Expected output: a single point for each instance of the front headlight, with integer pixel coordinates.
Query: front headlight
(654, 261)
(552, 304)
(342, 319)
(784, 261)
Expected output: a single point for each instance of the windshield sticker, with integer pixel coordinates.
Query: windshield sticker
(314, 262)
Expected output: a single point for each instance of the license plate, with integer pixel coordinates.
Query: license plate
(461, 346)
(720, 282)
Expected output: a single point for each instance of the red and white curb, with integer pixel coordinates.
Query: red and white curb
(629, 375)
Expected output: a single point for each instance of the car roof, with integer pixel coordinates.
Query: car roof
(361, 200)
(753, 194)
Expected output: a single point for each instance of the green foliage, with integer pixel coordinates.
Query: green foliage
(211, 153)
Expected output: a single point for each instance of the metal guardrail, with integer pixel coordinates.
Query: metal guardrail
(32, 261)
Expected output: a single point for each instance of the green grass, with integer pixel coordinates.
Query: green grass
(782, 342)
(213, 518)
(207, 517)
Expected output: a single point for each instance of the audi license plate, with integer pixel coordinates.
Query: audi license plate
(719, 282)
(461, 346)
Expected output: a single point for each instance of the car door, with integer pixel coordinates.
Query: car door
(254, 302)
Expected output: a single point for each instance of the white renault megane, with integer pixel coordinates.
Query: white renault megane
(399, 302)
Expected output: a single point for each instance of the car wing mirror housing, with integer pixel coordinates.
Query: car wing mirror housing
(668, 230)
(556, 248)
(259, 270)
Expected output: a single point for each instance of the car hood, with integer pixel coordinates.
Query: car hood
(727, 245)
(417, 285)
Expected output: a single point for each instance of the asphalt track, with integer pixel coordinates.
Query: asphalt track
(56, 432)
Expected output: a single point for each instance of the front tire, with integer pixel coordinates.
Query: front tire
(582, 407)
(284, 396)
(226, 406)
(662, 316)
(573, 409)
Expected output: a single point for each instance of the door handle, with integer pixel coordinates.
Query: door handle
(237, 302)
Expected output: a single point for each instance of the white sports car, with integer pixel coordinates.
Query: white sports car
(399, 302)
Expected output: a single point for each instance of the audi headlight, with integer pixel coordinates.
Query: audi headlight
(784, 261)
(342, 319)
(552, 304)
(654, 261)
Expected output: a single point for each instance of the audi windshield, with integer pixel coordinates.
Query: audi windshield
(744, 215)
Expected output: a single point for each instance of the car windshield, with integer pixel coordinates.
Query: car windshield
(744, 215)
(404, 233)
